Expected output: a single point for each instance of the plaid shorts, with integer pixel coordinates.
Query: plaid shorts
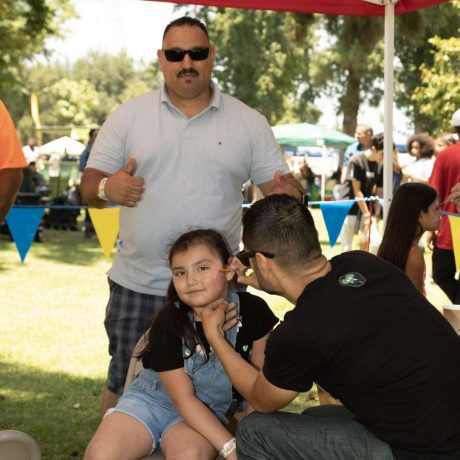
(127, 316)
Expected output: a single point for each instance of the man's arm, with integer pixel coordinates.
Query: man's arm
(121, 188)
(250, 383)
(89, 187)
(356, 184)
(10, 182)
(377, 205)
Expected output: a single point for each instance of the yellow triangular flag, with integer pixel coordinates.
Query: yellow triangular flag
(106, 224)
(455, 230)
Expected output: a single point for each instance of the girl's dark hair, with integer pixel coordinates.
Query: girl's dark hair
(175, 313)
(425, 142)
(402, 225)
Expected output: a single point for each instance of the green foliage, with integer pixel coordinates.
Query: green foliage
(438, 96)
(416, 51)
(262, 58)
(353, 63)
(276, 62)
(83, 93)
(24, 27)
(74, 102)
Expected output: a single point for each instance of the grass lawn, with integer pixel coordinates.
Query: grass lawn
(53, 348)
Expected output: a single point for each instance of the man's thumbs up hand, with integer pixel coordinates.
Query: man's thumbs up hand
(123, 187)
(130, 166)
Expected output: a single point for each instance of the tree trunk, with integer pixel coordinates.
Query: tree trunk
(349, 102)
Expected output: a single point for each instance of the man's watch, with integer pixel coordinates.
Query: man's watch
(101, 189)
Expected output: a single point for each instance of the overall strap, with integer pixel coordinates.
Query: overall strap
(231, 334)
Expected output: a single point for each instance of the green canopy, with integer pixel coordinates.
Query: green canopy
(306, 134)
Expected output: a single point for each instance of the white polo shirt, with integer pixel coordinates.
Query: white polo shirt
(193, 168)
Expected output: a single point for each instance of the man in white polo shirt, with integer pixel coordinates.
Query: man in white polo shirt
(174, 159)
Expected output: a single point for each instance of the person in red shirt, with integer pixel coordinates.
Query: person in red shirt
(445, 175)
(12, 161)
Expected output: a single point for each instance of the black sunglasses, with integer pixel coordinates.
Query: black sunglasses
(244, 256)
(177, 54)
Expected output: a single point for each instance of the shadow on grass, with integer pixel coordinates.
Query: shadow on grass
(59, 410)
(62, 246)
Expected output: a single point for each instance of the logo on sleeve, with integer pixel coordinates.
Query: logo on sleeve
(352, 279)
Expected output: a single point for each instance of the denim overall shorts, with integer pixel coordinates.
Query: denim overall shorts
(148, 402)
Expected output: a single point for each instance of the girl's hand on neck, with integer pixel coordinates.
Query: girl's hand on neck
(218, 317)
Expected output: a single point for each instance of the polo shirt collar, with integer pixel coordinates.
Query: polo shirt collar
(215, 100)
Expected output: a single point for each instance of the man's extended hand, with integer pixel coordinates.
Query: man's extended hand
(241, 272)
(123, 187)
(455, 195)
(287, 183)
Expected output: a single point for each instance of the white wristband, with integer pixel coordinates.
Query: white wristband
(101, 190)
(228, 448)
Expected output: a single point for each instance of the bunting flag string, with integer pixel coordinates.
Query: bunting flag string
(23, 222)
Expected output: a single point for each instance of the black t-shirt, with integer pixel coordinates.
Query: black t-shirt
(256, 321)
(368, 173)
(366, 335)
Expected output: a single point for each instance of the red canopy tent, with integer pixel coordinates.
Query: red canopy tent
(347, 7)
(386, 8)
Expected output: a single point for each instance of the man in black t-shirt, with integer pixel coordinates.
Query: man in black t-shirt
(364, 178)
(360, 330)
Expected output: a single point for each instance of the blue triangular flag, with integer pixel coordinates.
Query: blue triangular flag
(23, 224)
(334, 213)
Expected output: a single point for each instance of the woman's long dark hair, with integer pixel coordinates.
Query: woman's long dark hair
(402, 225)
(175, 313)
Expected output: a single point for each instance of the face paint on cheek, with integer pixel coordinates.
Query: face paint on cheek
(217, 273)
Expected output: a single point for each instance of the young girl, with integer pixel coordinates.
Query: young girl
(179, 401)
(420, 146)
(414, 210)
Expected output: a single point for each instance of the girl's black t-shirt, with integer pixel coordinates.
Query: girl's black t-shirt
(255, 321)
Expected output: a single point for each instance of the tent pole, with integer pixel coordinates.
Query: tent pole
(388, 77)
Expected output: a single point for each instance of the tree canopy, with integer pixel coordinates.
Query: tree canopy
(24, 27)
(421, 43)
(282, 62)
(263, 59)
(279, 63)
(85, 92)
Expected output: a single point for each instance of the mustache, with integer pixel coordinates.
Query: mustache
(190, 71)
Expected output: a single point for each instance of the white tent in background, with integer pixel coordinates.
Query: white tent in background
(62, 146)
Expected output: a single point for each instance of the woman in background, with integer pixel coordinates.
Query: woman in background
(415, 209)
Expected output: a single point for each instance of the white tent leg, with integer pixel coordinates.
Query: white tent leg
(388, 77)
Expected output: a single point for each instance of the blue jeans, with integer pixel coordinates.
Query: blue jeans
(320, 433)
